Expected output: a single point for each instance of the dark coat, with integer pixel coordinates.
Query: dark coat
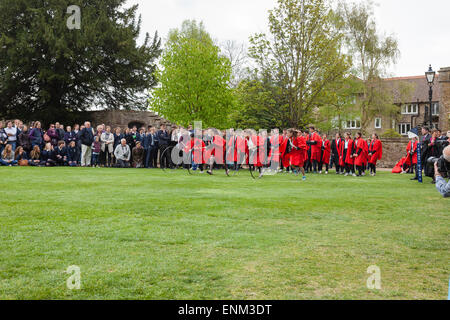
(72, 154)
(87, 137)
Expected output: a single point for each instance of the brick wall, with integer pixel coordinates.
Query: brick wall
(393, 150)
(444, 83)
(122, 118)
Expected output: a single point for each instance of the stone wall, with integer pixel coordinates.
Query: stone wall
(124, 119)
(393, 150)
(444, 83)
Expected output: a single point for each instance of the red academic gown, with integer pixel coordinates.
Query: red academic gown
(412, 146)
(349, 160)
(297, 154)
(316, 150)
(236, 147)
(361, 150)
(340, 151)
(198, 147)
(275, 152)
(285, 155)
(326, 153)
(376, 149)
(216, 150)
(257, 158)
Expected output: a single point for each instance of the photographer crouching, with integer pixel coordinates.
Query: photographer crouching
(442, 170)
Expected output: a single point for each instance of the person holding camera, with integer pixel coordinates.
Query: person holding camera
(439, 167)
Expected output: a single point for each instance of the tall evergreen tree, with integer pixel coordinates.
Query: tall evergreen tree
(48, 70)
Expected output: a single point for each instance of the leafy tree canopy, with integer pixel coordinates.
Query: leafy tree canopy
(194, 79)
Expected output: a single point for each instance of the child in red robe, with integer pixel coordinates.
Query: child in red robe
(326, 154)
(360, 154)
(315, 143)
(411, 160)
(348, 152)
(375, 154)
(298, 146)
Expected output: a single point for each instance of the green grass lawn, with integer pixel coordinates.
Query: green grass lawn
(145, 234)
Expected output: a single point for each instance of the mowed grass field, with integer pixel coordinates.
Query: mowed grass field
(146, 234)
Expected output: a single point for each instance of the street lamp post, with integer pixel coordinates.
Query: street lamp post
(430, 74)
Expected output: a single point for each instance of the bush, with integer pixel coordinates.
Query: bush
(391, 133)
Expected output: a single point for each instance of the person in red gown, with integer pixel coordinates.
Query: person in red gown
(297, 152)
(215, 151)
(276, 152)
(257, 153)
(375, 154)
(197, 147)
(361, 154)
(236, 150)
(315, 143)
(347, 153)
(411, 160)
(284, 149)
(326, 154)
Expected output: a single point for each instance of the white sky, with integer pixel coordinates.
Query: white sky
(421, 42)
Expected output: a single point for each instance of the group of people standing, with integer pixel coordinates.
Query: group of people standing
(297, 151)
(433, 143)
(80, 145)
(293, 150)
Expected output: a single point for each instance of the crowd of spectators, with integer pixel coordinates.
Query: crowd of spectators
(32, 145)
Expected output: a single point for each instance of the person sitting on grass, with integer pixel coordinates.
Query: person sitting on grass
(8, 157)
(61, 154)
(73, 154)
(138, 155)
(20, 154)
(48, 157)
(122, 154)
(35, 156)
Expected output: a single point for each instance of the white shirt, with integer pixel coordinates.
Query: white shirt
(12, 131)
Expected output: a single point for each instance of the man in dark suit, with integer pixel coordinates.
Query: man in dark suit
(149, 143)
(335, 147)
(426, 140)
(164, 140)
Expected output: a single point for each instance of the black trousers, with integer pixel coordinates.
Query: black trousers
(327, 166)
(336, 163)
(164, 158)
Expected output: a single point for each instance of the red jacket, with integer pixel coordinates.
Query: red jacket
(412, 153)
(375, 151)
(361, 149)
(198, 150)
(316, 149)
(348, 157)
(297, 154)
(326, 152)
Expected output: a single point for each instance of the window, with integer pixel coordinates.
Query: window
(404, 128)
(410, 109)
(352, 124)
(435, 109)
(378, 123)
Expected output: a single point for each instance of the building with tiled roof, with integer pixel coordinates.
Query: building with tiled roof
(414, 105)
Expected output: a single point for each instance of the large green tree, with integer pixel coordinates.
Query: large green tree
(49, 71)
(301, 53)
(194, 79)
(372, 53)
